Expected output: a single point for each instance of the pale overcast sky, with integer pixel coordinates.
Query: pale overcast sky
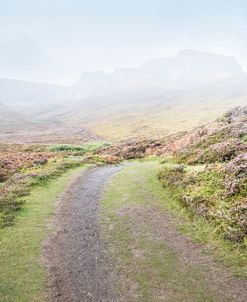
(56, 40)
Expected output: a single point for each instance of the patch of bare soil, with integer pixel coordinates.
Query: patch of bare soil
(76, 258)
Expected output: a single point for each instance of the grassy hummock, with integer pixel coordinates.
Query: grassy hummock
(22, 276)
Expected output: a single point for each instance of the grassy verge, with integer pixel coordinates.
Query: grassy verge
(14, 192)
(22, 167)
(22, 272)
(148, 269)
(197, 195)
(149, 266)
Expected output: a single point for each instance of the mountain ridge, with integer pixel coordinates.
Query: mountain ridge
(158, 98)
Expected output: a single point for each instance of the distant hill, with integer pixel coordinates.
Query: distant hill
(189, 69)
(160, 97)
(9, 119)
(29, 98)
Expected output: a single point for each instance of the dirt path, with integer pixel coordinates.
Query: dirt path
(147, 258)
(75, 255)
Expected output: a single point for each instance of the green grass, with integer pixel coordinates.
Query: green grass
(79, 150)
(160, 269)
(22, 271)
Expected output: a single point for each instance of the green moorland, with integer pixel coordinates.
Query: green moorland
(201, 187)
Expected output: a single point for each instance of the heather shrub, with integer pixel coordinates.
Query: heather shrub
(172, 175)
(206, 194)
(218, 193)
(236, 175)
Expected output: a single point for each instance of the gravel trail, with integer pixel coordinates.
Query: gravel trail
(78, 268)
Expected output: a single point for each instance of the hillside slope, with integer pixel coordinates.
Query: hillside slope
(211, 180)
(31, 98)
(9, 119)
(158, 98)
